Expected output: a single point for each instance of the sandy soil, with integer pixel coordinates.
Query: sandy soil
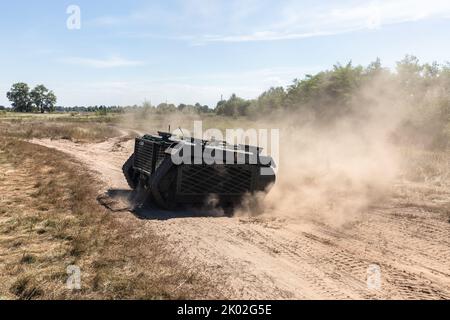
(284, 258)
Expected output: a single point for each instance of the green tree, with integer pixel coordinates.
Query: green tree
(326, 95)
(19, 95)
(50, 101)
(201, 109)
(271, 100)
(43, 99)
(343, 81)
(409, 66)
(166, 108)
(374, 66)
(233, 107)
(409, 71)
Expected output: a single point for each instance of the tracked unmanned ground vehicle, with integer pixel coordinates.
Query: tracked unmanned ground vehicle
(172, 172)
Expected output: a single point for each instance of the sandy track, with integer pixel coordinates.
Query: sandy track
(283, 258)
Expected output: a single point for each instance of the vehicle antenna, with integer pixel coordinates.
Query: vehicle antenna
(181, 131)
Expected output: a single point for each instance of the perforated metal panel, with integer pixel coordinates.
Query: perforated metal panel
(214, 179)
(144, 156)
(160, 155)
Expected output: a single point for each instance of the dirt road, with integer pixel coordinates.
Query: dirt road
(271, 257)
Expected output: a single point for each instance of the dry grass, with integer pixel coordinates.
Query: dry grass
(74, 131)
(153, 122)
(50, 219)
(63, 116)
(432, 167)
(425, 181)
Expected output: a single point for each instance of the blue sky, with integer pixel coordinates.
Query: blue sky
(195, 51)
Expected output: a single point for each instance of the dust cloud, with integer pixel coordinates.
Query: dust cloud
(333, 172)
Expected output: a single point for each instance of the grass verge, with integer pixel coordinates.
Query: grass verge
(50, 219)
(74, 131)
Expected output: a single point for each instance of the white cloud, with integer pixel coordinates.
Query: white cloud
(111, 62)
(264, 36)
(251, 20)
(297, 21)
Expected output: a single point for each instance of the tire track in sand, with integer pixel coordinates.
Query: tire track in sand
(285, 258)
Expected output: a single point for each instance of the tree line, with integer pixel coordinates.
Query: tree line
(419, 91)
(38, 99)
(326, 94)
(334, 92)
(145, 107)
(324, 97)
